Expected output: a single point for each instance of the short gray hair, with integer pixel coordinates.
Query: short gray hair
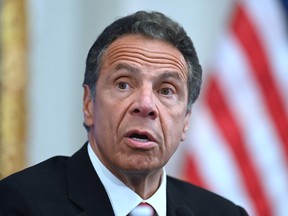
(154, 25)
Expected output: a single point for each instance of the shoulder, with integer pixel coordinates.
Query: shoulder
(193, 191)
(38, 176)
(204, 201)
(19, 191)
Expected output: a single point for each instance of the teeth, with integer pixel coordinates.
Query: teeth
(140, 140)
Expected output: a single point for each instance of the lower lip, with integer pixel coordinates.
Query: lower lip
(140, 145)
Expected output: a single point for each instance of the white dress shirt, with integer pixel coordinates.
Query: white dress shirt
(122, 198)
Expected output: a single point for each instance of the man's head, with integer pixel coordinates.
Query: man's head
(153, 25)
(140, 73)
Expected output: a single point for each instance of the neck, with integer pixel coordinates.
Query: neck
(145, 185)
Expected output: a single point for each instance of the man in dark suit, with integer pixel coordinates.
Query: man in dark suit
(142, 77)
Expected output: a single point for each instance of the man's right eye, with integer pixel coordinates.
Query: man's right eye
(123, 85)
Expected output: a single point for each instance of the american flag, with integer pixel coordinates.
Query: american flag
(238, 138)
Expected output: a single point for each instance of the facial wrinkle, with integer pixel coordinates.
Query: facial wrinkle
(146, 56)
(126, 51)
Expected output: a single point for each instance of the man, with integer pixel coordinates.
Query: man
(142, 76)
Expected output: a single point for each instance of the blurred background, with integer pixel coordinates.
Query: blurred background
(237, 144)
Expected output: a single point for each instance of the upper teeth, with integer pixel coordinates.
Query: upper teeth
(140, 139)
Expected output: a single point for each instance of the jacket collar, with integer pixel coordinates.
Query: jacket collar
(84, 186)
(177, 204)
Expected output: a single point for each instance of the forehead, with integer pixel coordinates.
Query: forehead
(142, 51)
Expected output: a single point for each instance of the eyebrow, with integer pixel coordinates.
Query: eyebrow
(171, 74)
(164, 75)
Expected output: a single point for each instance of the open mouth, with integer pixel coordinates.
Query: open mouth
(139, 137)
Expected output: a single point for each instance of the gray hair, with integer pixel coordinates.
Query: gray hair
(153, 25)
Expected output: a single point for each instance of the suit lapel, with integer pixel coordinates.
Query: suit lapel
(84, 186)
(175, 199)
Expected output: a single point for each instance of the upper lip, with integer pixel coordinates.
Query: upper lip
(149, 135)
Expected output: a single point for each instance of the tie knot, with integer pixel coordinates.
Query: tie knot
(143, 209)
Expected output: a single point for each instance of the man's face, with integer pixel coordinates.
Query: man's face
(139, 115)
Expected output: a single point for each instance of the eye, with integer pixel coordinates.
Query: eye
(166, 91)
(123, 85)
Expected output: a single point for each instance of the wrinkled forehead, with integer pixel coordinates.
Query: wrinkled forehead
(145, 51)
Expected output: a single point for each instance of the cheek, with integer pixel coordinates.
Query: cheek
(173, 129)
(105, 107)
(107, 118)
(102, 121)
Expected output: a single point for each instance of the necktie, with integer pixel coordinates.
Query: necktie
(143, 209)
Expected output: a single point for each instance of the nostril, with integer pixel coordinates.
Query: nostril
(136, 111)
(145, 112)
(152, 113)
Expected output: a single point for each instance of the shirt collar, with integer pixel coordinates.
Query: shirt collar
(122, 198)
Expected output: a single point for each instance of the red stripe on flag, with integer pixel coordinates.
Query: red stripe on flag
(261, 69)
(191, 171)
(234, 138)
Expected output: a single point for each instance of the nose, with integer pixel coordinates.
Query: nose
(144, 104)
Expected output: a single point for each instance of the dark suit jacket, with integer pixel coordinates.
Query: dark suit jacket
(64, 186)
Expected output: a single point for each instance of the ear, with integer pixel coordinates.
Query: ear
(87, 106)
(186, 125)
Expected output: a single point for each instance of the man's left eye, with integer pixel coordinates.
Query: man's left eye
(166, 91)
